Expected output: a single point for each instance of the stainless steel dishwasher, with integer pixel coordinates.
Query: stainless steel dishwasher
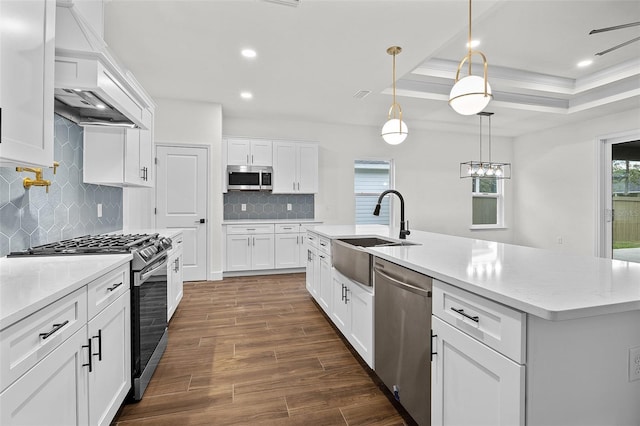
(403, 336)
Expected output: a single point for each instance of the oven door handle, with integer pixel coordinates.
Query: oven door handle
(151, 269)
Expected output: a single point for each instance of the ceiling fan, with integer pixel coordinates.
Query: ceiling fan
(617, 27)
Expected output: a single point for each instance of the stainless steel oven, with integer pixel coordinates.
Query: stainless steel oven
(149, 325)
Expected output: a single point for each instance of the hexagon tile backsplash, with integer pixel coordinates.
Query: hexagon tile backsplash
(264, 205)
(30, 217)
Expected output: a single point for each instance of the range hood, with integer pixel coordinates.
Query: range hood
(91, 88)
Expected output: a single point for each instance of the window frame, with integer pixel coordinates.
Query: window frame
(391, 186)
(498, 195)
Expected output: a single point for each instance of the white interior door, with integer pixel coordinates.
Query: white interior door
(182, 201)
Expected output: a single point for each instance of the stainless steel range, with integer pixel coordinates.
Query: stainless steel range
(148, 292)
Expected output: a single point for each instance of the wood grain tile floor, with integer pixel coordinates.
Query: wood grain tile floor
(258, 351)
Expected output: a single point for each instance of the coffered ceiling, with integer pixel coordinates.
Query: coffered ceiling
(312, 59)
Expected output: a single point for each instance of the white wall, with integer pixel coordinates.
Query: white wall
(427, 171)
(555, 180)
(198, 123)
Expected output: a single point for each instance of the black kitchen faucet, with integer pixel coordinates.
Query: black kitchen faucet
(376, 212)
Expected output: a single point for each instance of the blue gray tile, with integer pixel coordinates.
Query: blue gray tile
(29, 217)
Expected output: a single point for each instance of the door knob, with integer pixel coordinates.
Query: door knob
(201, 221)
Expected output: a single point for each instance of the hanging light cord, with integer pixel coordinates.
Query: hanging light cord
(469, 41)
(489, 141)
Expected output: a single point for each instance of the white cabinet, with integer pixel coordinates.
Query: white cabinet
(352, 312)
(473, 381)
(175, 278)
(295, 167)
(324, 275)
(250, 247)
(110, 372)
(287, 250)
(26, 82)
(249, 152)
(70, 362)
(310, 272)
(55, 391)
(119, 156)
(290, 246)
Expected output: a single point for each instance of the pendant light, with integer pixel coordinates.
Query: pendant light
(471, 94)
(485, 169)
(394, 131)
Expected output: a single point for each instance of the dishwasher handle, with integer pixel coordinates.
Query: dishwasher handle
(405, 286)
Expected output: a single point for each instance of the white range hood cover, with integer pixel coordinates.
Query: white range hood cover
(91, 87)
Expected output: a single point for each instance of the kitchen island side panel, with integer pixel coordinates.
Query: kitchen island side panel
(578, 371)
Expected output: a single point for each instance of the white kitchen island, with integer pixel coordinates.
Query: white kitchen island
(577, 318)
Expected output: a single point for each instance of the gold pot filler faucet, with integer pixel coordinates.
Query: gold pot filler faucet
(38, 181)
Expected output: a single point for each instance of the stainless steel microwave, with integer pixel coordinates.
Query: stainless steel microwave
(249, 178)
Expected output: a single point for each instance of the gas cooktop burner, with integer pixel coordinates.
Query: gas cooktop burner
(92, 244)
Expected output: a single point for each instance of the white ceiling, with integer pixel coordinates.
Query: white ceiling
(314, 57)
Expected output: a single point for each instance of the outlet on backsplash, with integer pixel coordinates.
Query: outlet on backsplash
(289, 207)
(243, 207)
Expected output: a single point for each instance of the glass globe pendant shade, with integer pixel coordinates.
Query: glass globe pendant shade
(467, 96)
(394, 131)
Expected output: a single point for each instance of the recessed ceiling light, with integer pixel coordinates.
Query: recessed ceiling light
(585, 63)
(248, 53)
(246, 95)
(474, 43)
(100, 106)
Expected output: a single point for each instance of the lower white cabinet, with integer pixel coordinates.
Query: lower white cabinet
(313, 271)
(175, 279)
(352, 312)
(70, 362)
(287, 250)
(263, 246)
(54, 392)
(250, 252)
(324, 282)
(110, 365)
(472, 383)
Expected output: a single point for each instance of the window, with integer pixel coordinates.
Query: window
(486, 198)
(371, 178)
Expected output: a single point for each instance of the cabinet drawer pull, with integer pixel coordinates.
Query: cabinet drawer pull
(464, 314)
(89, 364)
(287, 227)
(55, 328)
(99, 353)
(113, 287)
(251, 229)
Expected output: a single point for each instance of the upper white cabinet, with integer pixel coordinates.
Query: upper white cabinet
(27, 48)
(249, 152)
(295, 167)
(119, 156)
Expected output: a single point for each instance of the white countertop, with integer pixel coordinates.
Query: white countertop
(548, 284)
(276, 221)
(28, 284)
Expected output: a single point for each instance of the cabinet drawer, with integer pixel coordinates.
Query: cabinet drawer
(287, 228)
(106, 289)
(325, 245)
(313, 239)
(28, 341)
(251, 229)
(496, 325)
